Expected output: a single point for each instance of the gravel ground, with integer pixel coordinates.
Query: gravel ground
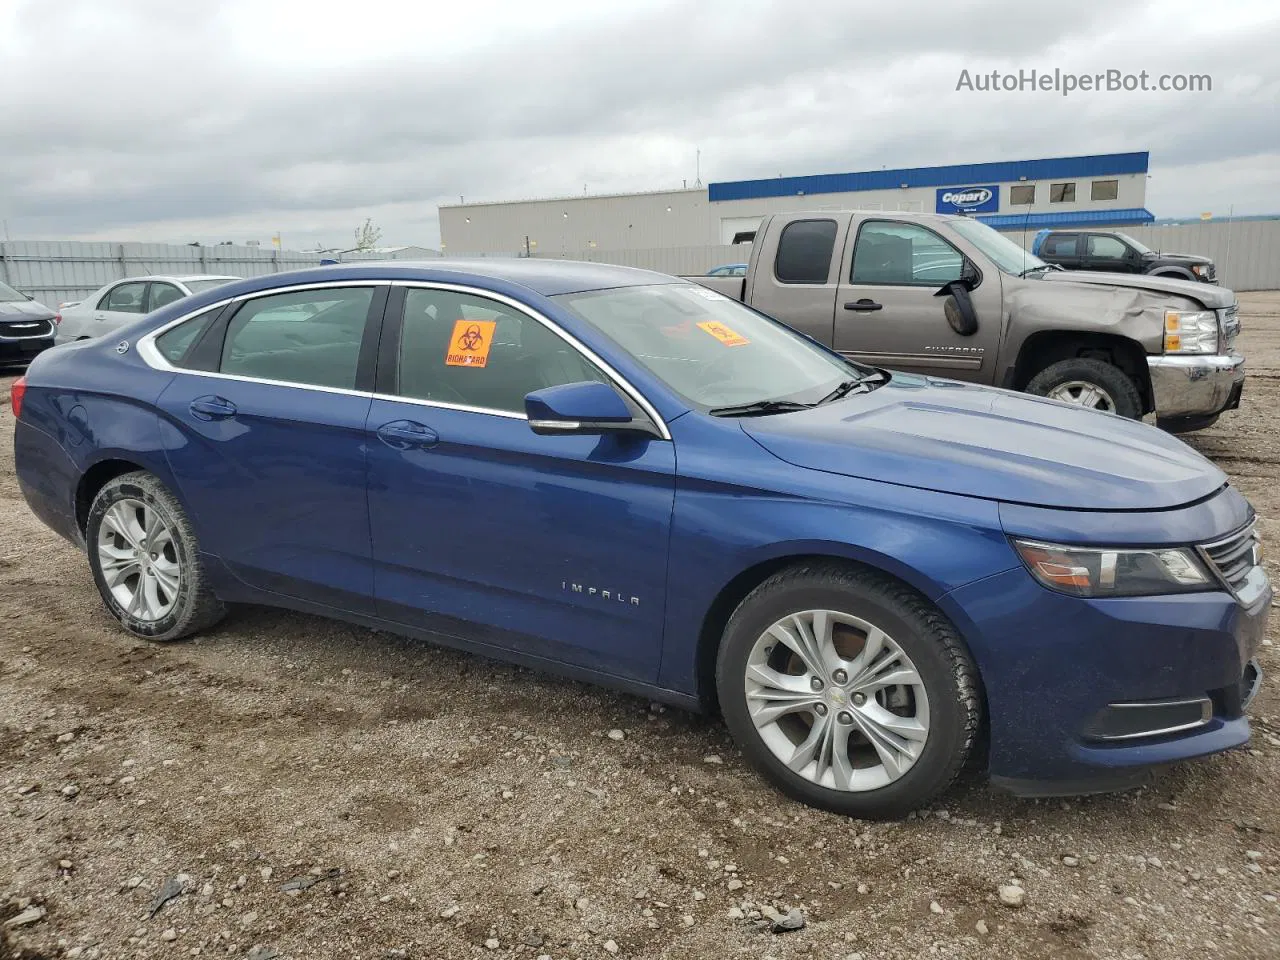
(308, 789)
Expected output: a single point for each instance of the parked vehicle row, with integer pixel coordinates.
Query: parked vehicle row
(636, 480)
(949, 296)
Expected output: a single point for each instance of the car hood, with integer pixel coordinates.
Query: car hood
(982, 442)
(1215, 298)
(24, 310)
(1180, 257)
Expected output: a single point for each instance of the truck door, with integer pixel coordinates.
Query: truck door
(889, 316)
(798, 273)
(1064, 249)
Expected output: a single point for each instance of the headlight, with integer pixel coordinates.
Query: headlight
(1089, 572)
(1186, 332)
(1202, 269)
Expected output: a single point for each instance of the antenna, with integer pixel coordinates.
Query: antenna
(1026, 223)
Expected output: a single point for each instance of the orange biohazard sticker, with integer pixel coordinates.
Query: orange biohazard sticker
(727, 336)
(470, 343)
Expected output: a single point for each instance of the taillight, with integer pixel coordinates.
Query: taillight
(16, 390)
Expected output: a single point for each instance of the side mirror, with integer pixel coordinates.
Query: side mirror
(958, 307)
(589, 407)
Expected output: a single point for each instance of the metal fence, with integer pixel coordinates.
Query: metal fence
(55, 272)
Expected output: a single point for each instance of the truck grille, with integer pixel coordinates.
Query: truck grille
(1234, 557)
(1230, 325)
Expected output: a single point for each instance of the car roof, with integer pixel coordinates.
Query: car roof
(177, 277)
(545, 277)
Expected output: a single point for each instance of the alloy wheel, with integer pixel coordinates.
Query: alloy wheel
(837, 700)
(1083, 394)
(139, 559)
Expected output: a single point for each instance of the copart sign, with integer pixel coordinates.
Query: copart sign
(984, 199)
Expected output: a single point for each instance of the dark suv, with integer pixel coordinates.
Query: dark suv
(1118, 253)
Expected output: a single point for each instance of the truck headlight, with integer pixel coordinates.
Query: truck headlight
(1190, 332)
(1202, 269)
(1090, 572)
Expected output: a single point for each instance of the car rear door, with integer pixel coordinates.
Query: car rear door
(1107, 253)
(265, 421)
(889, 313)
(161, 293)
(122, 304)
(551, 547)
(1067, 250)
(797, 275)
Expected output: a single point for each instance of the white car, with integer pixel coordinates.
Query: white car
(122, 301)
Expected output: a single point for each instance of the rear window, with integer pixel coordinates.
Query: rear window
(804, 251)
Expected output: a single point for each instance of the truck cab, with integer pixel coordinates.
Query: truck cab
(949, 296)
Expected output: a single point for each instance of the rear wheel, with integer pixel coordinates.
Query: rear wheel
(848, 691)
(145, 560)
(1090, 383)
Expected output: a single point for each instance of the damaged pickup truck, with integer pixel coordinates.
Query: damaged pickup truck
(951, 297)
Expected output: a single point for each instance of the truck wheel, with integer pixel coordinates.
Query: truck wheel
(848, 691)
(146, 562)
(1089, 383)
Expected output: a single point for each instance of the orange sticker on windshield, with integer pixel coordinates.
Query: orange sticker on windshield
(470, 343)
(730, 338)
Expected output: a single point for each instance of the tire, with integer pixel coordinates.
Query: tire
(1076, 377)
(165, 595)
(950, 711)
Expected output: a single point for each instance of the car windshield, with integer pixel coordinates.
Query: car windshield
(8, 294)
(710, 349)
(198, 286)
(1136, 244)
(1008, 255)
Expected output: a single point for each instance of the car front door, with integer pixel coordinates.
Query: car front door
(888, 312)
(264, 427)
(122, 304)
(1108, 254)
(551, 547)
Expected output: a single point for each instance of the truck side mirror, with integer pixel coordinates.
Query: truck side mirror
(958, 307)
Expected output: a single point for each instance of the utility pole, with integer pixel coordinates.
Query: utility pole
(698, 169)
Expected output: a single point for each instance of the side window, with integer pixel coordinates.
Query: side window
(1104, 190)
(126, 298)
(1060, 245)
(469, 350)
(1022, 195)
(163, 294)
(173, 344)
(903, 254)
(1062, 193)
(312, 337)
(804, 251)
(1108, 247)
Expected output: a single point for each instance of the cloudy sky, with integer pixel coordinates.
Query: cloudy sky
(178, 120)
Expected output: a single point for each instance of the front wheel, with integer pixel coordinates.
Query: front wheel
(1089, 383)
(145, 560)
(848, 691)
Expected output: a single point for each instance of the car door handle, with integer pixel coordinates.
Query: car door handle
(864, 304)
(407, 435)
(212, 408)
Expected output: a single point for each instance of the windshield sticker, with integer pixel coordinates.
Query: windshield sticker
(469, 346)
(730, 338)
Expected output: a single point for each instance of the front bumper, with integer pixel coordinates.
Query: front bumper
(1195, 386)
(1053, 668)
(22, 350)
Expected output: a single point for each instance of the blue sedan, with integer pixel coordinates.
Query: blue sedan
(630, 479)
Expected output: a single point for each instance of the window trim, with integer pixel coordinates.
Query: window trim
(778, 252)
(1065, 183)
(1023, 186)
(930, 285)
(1093, 185)
(388, 324)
